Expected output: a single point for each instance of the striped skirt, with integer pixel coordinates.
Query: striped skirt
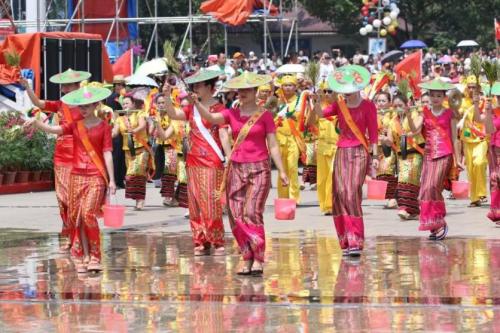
(86, 197)
(62, 176)
(409, 173)
(205, 211)
(494, 161)
(247, 190)
(392, 184)
(349, 172)
(137, 169)
(309, 174)
(432, 207)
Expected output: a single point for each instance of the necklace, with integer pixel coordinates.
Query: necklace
(437, 114)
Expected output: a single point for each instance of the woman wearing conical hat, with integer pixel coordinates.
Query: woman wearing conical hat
(491, 119)
(356, 118)
(441, 155)
(69, 81)
(205, 164)
(132, 126)
(249, 170)
(91, 173)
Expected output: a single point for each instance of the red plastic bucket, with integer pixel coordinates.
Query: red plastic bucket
(114, 215)
(284, 209)
(460, 189)
(376, 189)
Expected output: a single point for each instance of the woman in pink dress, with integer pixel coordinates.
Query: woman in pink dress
(441, 154)
(249, 171)
(491, 119)
(357, 117)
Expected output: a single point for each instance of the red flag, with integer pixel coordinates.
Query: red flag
(411, 69)
(123, 65)
(497, 29)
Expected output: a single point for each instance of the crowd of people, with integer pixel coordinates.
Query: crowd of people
(210, 136)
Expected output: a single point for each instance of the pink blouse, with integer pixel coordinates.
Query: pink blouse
(495, 137)
(437, 146)
(364, 116)
(254, 147)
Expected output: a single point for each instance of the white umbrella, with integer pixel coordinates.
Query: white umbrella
(155, 66)
(141, 80)
(291, 69)
(467, 43)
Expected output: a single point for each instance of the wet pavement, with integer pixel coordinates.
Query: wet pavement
(151, 282)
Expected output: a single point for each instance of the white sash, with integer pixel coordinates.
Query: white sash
(206, 134)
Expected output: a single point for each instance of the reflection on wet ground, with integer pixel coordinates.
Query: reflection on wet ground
(151, 281)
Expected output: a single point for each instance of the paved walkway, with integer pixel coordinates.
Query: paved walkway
(38, 211)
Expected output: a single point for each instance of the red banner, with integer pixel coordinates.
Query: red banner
(411, 69)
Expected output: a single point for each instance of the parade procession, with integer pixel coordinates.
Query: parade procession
(190, 177)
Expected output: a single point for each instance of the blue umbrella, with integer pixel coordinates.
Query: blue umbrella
(413, 44)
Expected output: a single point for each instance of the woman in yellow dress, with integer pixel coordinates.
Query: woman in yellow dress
(170, 134)
(387, 156)
(325, 151)
(133, 128)
(410, 158)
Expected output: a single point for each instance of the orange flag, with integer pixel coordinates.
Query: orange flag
(124, 64)
(411, 69)
(234, 12)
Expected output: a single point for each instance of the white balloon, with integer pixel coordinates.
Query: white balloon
(363, 31)
(377, 23)
(396, 10)
(393, 15)
(369, 28)
(386, 2)
(387, 20)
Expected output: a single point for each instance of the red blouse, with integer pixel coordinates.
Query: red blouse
(99, 136)
(63, 154)
(200, 153)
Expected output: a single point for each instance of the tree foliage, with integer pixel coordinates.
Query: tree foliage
(440, 23)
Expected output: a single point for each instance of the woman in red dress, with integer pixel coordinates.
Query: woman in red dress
(91, 173)
(63, 154)
(205, 164)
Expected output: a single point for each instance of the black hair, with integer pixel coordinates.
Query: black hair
(387, 94)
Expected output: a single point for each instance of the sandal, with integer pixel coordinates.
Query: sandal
(475, 204)
(257, 272)
(94, 265)
(139, 205)
(201, 251)
(356, 252)
(246, 270)
(220, 251)
(442, 232)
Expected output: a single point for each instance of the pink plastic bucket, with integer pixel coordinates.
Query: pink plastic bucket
(284, 209)
(460, 189)
(114, 215)
(376, 189)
